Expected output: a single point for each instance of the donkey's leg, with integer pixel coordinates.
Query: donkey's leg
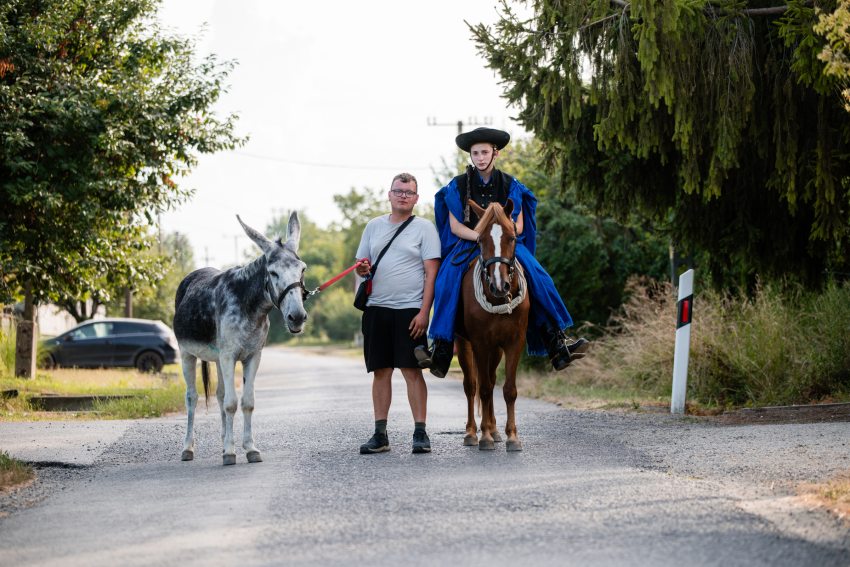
(219, 395)
(249, 371)
(227, 364)
(470, 388)
(509, 391)
(189, 363)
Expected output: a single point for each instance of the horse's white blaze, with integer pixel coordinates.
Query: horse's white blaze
(496, 235)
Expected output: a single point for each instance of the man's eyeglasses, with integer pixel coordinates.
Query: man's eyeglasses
(402, 193)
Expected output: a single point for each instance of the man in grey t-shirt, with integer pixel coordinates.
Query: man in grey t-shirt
(396, 316)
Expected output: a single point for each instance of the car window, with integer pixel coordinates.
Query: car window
(86, 332)
(101, 329)
(122, 328)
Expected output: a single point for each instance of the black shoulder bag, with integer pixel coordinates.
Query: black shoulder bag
(365, 287)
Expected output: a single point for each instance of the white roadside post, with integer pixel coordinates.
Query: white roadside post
(684, 312)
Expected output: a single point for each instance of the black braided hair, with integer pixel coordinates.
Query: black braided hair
(469, 180)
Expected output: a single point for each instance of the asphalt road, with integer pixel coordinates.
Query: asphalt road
(589, 488)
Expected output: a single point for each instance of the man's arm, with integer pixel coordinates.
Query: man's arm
(419, 324)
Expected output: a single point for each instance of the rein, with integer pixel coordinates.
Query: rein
(305, 293)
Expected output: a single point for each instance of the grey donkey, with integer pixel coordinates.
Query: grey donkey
(222, 317)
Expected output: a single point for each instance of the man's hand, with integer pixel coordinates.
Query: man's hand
(363, 267)
(418, 325)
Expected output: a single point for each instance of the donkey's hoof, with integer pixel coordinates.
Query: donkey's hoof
(254, 457)
(470, 440)
(497, 437)
(228, 459)
(513, 445)
(486, 445)
(187, 455)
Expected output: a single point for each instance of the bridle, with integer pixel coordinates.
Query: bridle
(304, 293)
(509, 262)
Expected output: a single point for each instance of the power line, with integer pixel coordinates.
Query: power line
(328, 165)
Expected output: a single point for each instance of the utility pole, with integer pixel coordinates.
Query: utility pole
(471, 121)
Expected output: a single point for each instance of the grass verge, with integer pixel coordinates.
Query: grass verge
(781, 346)
(13, 474)
(834, 495)
(149, 395)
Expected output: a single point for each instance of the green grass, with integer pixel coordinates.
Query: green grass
(13, 473)
(780, 346)
(152, 395)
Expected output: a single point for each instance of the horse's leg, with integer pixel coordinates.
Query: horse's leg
(509, 390)
(227, 364)
(470, 388)
(486, 381)
(189, 362)
(219, 395)
(495, 358)
(249, 371)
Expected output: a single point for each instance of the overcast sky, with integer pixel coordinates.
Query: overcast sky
(334, 95)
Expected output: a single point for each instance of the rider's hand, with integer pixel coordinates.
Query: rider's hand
(418, 325)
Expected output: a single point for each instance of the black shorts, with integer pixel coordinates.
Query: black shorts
(386, 338)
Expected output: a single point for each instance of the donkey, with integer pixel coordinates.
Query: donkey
(222, 317)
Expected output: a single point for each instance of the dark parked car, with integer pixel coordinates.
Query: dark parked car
(145, 344)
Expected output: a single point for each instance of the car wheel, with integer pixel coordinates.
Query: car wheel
(47, 362)
(149, 362)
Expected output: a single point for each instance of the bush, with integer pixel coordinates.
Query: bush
(783, 345)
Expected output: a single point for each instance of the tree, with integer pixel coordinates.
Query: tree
(713, 118)
(155, 299)
(835, 27)
(100, 112)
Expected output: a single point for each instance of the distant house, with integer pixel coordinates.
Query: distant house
(52, 320)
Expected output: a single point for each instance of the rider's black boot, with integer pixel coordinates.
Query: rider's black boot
(562, 351)
(438, 360)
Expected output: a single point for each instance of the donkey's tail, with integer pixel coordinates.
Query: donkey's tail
(205, 376)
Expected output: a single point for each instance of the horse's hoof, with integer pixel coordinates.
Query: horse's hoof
(254, 457)
(486, 445)
(470, 440)
(497, 437)
(228, 459)
(187, 455)
(513, 445)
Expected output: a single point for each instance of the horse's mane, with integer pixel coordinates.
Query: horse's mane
(493, 214)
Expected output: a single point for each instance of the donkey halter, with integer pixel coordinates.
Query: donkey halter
(300, 283)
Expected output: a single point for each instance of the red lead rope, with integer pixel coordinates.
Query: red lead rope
(335, 279)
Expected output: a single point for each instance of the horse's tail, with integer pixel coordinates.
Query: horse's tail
(205, 376)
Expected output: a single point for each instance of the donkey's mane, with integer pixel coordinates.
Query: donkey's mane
(494, 214)
(248, 271)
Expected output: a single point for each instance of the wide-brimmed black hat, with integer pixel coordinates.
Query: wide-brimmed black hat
(498, 138)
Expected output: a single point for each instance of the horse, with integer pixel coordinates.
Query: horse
(493, 319)
(222, 317)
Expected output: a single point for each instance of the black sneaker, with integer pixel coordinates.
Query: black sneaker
(421, 443)
(377, 444)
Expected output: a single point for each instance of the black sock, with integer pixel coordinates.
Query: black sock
(381, 426)
(418, 426)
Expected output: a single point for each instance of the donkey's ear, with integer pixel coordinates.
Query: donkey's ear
(259, 239)
(293, 232)
(475, 207)
(509, 207)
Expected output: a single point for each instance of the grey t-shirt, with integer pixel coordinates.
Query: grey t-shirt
(399, 279)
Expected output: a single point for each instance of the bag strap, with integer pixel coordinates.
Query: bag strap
(381, 255)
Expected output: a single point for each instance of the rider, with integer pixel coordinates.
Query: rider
(484, 184)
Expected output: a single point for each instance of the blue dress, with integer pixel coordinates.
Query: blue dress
(547, 308)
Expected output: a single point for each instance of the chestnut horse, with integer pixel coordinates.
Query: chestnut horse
(493, 319)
